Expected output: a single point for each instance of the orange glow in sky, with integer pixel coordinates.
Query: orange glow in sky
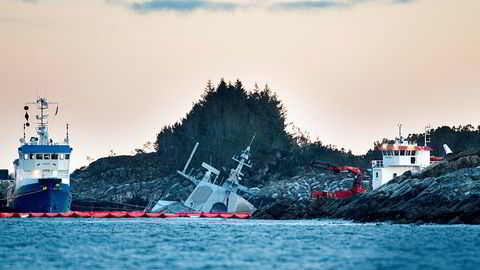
(347, 73)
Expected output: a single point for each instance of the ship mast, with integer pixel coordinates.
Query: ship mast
(400, 139)
(42, 118)
(232, 182)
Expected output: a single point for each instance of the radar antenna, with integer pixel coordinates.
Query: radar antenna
(42, 119)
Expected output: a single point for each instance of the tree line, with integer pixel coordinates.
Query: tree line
(225, 119)
(227, 116)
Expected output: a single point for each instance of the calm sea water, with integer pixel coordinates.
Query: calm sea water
(238, 244)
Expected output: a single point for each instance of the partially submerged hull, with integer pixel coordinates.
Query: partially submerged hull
(46, 196)
(208, 197)
(212, 197)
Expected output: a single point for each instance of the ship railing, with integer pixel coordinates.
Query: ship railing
(377, 163)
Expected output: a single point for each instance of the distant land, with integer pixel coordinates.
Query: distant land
(223, 121)
(227, 116)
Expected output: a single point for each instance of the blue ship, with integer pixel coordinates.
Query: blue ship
(42, 179)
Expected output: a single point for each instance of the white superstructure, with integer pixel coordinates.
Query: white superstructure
(40, 157)
(398, 158)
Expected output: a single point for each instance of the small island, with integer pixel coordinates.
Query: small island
(226, 117)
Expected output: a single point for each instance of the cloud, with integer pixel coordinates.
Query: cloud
(327, 4)
(403, 1)
(309, 5)
(180, 5)
(144, 6)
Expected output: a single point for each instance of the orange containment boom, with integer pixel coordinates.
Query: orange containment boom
(125, 215)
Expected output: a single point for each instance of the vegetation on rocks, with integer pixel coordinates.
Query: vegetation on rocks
(458, 138)
(224, 120)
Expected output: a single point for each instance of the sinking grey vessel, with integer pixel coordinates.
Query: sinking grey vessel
(210, 196)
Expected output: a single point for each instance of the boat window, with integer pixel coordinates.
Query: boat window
(402, 152)
(394, 175)
(390, 153)
(25, 156)
(39, 156)
(412, 160)
(62, 156)
(396, 153)
(32, 156)
(385, 153)
(408, 153)
(46, 156)
(55, 156)
(413, 153)
(67, 156)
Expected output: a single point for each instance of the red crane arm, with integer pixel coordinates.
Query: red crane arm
(356, 188)
(351, 169)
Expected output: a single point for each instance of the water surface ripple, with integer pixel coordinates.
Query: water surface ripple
(238, 244)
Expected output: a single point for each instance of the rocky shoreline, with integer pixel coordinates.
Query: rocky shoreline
(446, 193)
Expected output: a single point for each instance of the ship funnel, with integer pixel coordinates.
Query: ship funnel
(447, 149)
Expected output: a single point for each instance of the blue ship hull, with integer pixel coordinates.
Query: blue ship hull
(46, 196)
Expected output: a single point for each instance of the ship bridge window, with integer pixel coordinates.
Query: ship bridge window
(408, 153)
(402, 152)
(32, 156)
(390, 153)
(385, 153)
(39, 156)
(46, 156)
(413, 153)
(67, 156)
(55, 156)
(25, 156)
(396, 152)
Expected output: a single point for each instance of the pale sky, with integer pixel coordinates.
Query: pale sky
(347, 70)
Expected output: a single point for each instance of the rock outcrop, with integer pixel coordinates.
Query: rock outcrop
(4, 188)
(447, 192)
(125, 182)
